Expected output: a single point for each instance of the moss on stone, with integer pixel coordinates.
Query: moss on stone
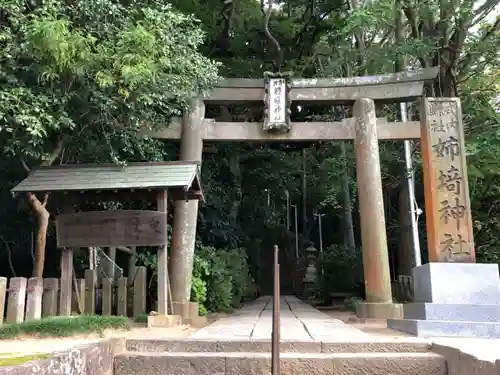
(21, 359)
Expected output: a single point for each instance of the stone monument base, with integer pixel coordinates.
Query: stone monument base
(371, 310)
(453, 300)
(164, 321)
(309, 288)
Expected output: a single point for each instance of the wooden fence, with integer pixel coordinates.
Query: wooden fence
(402, 289)
(34, 298)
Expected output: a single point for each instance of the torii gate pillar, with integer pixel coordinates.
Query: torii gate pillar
(186, 213)
(371, 210)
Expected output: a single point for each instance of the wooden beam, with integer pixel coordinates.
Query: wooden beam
(408, 76)
(301, 131)
(387, 87)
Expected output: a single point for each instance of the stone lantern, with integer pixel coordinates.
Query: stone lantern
(310, 277)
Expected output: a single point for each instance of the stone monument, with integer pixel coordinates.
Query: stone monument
(453, 295)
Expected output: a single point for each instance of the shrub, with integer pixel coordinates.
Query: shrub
(64, 326)
(221, 278)
(343, 271)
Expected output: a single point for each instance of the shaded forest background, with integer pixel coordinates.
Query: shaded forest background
(79, 78)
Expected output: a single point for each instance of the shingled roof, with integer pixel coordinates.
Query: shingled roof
(109, 177)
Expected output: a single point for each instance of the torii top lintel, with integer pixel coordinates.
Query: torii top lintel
(388, 87)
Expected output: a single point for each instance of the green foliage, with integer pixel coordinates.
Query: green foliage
(221, 278)
(64, 326)
(342, 270)
(93, 72)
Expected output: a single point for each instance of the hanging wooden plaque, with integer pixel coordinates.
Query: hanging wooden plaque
(112, 228)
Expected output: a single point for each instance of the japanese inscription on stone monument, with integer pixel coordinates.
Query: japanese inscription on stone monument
(277, 103)
(447, 202)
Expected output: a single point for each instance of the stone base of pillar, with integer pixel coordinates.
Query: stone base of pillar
(164, 321)
(453, 300)
(372, 310)
(181, 309)
(189, 313)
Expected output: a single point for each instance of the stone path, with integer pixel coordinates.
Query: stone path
(299, 321)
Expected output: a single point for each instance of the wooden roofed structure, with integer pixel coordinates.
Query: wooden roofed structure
(181, 178)
(115, 228)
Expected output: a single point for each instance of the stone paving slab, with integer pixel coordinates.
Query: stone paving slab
(257, 346)
(240, 363)
(299, 321)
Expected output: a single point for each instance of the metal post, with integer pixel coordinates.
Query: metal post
(304, 191)
(275, 337)
(296, 234)
(411, 192)
(320, 238)
(268, 197)
(287, 194)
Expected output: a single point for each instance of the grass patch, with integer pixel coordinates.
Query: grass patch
(143, 318)
(64, 326)
(17, 361)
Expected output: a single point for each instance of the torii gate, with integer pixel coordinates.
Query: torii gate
(440, 131)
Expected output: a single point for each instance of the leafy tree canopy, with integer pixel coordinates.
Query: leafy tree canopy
(89, 73)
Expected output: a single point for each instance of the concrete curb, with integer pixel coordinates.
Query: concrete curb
(90, 359)
(462, 363)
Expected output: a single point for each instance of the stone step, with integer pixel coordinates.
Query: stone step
(290, 363)
(446, 328)
(257, 346)
(452, 312)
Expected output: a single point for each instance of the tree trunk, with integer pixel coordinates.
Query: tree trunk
(349, 240)
(304, 191)
(42, 214)
(42, 219)
(235, 169)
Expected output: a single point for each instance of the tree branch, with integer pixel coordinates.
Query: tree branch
(415, 33)
(50, 160)
(469, 56)
(484, 10)
(54, 155)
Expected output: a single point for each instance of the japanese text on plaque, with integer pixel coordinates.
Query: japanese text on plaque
(277, 100)
(446, 148)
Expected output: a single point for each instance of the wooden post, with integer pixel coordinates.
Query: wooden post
(3, 295)
(90, 285)
(66, 281)
(186, 213)
(16, 301)
(371, 204)
(121, 296)
(34, 299)
(50, 296)
(78, 301)
(162, 262)
(107, 296)
(131, 265)
(140, 292)
(447, 200)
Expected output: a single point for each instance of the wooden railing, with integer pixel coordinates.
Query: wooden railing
(24, 299)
